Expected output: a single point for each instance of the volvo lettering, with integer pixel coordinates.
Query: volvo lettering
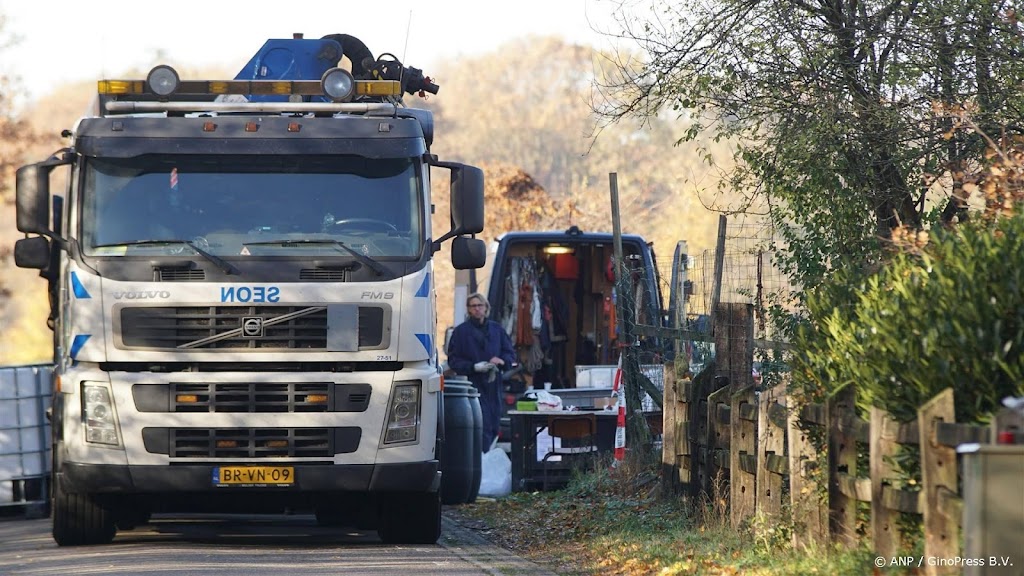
(151, 294)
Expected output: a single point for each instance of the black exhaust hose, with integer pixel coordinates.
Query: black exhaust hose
(356, 51)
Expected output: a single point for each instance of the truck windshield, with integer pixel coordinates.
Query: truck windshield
(234, 205)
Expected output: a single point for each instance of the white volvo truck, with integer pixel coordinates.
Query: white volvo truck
(242, 295)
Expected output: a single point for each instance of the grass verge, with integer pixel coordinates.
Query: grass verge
(615, 521)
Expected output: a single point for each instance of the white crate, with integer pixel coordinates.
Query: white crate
(26, 381)
(31, 412)
(33, 439)
(6, 492)
(24, 431)
(8, 383)
(9, 413)
(595, 376)
(28, 385)
(35, 463)
(10, 467)
(10, 441)
(30, 381)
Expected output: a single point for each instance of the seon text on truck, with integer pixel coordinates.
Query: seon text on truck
(243, 304)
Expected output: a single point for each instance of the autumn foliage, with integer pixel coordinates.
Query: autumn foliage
(514, 200)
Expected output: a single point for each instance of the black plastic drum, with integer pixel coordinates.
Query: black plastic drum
(463, 429)
(478, 441)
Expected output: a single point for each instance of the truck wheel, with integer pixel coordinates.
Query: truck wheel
(410, 518)
(78, 519)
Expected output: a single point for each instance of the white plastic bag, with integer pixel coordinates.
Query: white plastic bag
(546, 401)
(495, 474)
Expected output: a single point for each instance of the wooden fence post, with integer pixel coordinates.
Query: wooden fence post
(939, 479)
(718, 442)
(771, 453)
(742, 454)
(885, 533)
(842, 459)
(810, 516)
(699, 434)
(734, 348)
(684, 453)
(675, 446)
(734, 343)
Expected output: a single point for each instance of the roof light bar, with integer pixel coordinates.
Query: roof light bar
(127, 107)
(164, 81)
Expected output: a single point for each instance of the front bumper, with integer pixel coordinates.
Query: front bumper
(119, 479)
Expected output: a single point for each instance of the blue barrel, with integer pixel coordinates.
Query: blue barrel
(459, 450)
(478, 441)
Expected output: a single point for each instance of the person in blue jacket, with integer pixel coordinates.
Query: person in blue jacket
(480, 349)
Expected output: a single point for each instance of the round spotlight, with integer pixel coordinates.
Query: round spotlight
(163, 80)
(338, 84)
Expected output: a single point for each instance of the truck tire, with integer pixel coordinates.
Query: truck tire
(79, 520)
(410, 518)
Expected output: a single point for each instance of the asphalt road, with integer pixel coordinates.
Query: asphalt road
(251, 545)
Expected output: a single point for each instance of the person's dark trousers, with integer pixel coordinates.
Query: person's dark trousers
(490, 408)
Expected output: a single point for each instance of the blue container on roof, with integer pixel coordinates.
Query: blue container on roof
(291, 59)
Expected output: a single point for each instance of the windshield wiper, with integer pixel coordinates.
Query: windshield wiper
(220, 262)
(362, 258)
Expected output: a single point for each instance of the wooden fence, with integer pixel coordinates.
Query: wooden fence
(722, 431)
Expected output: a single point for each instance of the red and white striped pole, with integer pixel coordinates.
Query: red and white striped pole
(620, 425)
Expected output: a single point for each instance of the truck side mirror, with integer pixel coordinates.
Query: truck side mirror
(468, 253)
(32, 252)
(467, 199)
(32, 198)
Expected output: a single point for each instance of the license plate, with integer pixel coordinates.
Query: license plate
(253, 476)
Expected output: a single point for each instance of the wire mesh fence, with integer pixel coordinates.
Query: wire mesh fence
(743, 268)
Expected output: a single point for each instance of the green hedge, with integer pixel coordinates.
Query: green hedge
(950, 315)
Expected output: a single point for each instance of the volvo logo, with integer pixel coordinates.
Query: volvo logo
(142, 295)
(252, 327)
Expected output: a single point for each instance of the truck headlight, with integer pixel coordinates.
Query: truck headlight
(403, 423)
(98, 414)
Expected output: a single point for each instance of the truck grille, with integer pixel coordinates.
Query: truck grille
(251, 442)
(259, 397)
(250, 397)
(182, 275)
(207, 327)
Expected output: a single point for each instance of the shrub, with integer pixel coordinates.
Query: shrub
(948, 315)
